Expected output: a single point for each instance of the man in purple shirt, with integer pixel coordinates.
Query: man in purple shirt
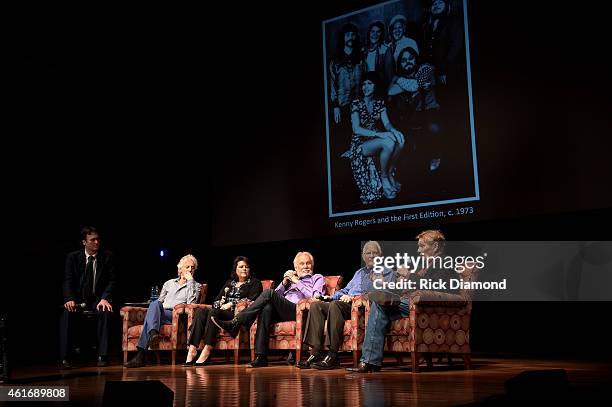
(277, 305)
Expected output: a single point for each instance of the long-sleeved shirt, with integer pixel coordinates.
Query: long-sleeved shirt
(362, 282)
(172, 293)
(307, 286)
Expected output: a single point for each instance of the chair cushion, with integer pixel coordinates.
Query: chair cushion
(135, 331)
(284, 328)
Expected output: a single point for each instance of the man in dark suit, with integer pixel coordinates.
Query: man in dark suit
(89, 279)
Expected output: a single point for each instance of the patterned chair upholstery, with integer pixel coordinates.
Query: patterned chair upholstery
(288, 334)
(172, 336)
(438, 323)
(224, 340)
(354, 328)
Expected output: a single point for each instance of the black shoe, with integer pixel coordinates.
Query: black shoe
(364, 367)
(291, 358)
(329, 362)
(66, 365)
(206, 362)
(190, 363)
(232, 327)
(306, 364)
(154, 339)
(137, 361)
(102, 361)
(260, 361)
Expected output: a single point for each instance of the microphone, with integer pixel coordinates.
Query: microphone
(77, 307)
(224, 295)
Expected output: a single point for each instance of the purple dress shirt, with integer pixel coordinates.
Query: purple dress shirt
(306, 287)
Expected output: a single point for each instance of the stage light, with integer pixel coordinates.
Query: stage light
(162, 252)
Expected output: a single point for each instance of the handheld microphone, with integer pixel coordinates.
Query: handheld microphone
(325, 298)
(224, 295)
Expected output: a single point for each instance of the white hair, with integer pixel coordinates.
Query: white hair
(185, 258)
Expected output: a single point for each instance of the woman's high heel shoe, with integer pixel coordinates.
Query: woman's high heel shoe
(206, 362)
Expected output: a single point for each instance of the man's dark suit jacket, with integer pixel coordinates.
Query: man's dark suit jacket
(75, 273)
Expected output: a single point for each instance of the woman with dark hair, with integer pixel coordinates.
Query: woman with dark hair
(374, 140)
(239, 287)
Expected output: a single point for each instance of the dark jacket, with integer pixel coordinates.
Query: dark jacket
(74, 274)
(249, 290)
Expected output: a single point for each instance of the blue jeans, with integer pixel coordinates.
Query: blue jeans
(157, 316)
(380, 316)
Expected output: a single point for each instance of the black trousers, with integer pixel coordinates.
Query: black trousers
(204, 328)
(335, 313)
(268, 308)
(72, 322)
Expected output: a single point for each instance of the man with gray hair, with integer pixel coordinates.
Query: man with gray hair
(339, 310)
(181, 290)
(277, 305)
(430, 244)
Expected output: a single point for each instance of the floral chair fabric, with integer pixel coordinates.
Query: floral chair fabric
(224, 340)
(437, 323)
(288, 334)
(172, 336)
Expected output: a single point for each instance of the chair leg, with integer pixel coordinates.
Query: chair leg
(236, 356)
(173, 357)
(467, 361)
(398, 357)
(415, 362)
(125, 356)
(252, 354)
(429, 360)
(356, 357)
(298, 355)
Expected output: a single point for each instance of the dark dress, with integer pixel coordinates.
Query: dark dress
(204, 328)
(365, 169)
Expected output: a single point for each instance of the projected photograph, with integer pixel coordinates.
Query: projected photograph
(398, 105)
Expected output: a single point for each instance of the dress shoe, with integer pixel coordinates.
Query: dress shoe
(307, 364)
(329, 362)
(154, 339)
(102, 361)
(206, 362)
(137, 361)
(364, 367)
(66, 364)
(260, 361)
(232, 327)
(190, 363)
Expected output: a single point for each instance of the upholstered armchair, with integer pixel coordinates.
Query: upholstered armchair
(172, 336)
(438, 323)
(288, 334)
(354, 328)
(224, 340)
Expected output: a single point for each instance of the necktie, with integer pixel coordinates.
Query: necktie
(88, 280)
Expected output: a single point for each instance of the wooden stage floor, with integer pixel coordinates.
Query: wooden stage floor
(283, 385)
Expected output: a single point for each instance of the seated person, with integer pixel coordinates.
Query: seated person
(181, 290)
(89, 279)
(430, 244)
(337, 311)
(241, 286)
(277, 305)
